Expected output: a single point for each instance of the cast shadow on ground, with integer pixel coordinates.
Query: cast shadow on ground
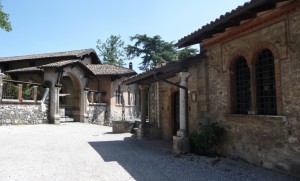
(141, 159)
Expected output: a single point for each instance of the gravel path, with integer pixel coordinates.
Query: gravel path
(77, 151)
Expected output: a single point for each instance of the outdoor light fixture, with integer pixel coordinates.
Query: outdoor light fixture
(194, 96)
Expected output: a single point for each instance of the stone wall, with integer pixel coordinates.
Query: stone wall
(98, 114)
(14, 114)
(132, 113)
(270, 141)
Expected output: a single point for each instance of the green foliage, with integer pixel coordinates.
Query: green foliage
(186, 52)
(154, 51)
(206, 138)
(26, 92)
(112, 50)
(4, 20)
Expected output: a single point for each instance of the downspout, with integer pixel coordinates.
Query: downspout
(186, 96)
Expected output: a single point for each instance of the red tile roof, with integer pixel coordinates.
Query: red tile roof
(63, 55)
(105, 69)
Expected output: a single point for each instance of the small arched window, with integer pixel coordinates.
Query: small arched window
(241, 95)
(265, 83)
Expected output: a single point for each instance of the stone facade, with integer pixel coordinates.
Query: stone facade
(14, 114)
(272, 141)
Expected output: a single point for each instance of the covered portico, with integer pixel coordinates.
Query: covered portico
(68, 83)
(177, 69)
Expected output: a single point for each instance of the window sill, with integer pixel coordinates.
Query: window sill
(97, 104)
(250, 117)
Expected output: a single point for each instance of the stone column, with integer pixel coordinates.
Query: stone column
(143, 104)
(84, 103)
(92, 98)
(1, 84)
(142, 132)
(181, 143)
(183, 105)
(56, 105)
(20, 91)
(35, 93)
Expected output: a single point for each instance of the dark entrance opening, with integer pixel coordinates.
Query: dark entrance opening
(175, 108)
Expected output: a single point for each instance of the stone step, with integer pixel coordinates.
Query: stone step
(66, 119)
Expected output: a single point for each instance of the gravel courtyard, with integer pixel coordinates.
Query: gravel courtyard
(76, 151)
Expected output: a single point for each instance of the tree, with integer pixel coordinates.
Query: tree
(4, 20)
(154, 51)
(112, 50)
(186, 52)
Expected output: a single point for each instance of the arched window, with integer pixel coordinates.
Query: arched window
(241, 96)
(265, 83)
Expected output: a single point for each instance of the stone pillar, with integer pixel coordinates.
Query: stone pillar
(20, 91)
(183, 105)
(181, 143)
(84, 103)
(35, 88)
(1, 84)
(142, 132)
(143, 104)
(56, 105)
(92, 97)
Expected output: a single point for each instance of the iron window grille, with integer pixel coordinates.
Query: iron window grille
(265, 83)
(241, 86)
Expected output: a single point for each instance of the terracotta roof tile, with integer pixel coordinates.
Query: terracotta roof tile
(74, 54)
(59, 64)
(208, 29)
(106, 69)
(27, 69)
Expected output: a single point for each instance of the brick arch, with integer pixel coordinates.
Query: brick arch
(264, 45)
(235, 55)
(259, 47)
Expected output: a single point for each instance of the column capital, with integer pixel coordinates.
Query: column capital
(184, 75)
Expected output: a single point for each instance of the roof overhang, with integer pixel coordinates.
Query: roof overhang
(164, 72)
(71, 63)
(248, 11)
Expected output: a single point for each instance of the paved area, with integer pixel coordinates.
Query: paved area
(77, 151)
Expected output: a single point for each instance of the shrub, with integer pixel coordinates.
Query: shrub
(206, 138)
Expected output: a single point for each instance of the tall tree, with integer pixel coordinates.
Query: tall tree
(4, 20)
(186, 52)
(112, 50)
(153, 50)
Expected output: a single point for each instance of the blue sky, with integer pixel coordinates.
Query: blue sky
(44, 26)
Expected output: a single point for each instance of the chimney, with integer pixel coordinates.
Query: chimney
(130, 65)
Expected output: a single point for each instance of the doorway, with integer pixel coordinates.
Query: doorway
(175, 112)
(69, 99)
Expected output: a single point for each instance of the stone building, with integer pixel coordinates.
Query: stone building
(80, 89)
(246, 78)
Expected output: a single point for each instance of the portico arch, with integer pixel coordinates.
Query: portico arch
(70, 95)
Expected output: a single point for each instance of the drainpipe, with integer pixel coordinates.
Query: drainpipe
(186, 97)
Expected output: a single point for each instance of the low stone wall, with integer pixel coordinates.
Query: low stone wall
(262, 140)
(132, 113)
(14, 114)
(98, 114)
(122, 126)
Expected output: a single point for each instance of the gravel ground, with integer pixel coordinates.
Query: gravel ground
(77, 151)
